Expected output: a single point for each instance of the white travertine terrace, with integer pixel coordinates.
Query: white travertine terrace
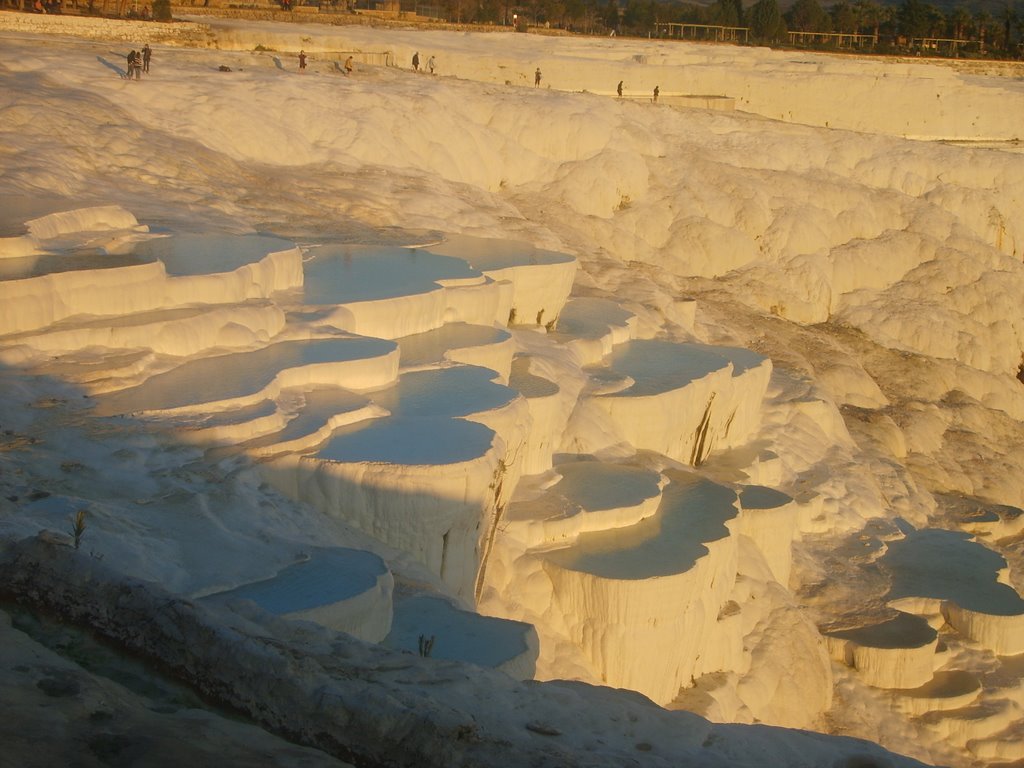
(592, 327)
(881, 276)
(660, 584)
(897, 653)
(534, 472)
(457, 634)
(349, 590)
(420, 479)
(769, 517)
(225, 382)
(479, 345)
(713, 392)
(587, 496)
(968, 578)
(180, 331)
(544, 401)
(40, 291)
(945, 691)
(541, 280)
(670, 580)
(420, 443)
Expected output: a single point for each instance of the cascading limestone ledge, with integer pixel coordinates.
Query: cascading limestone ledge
(346, 590)
(648, 634)
(36, 302)
(32, 303)
(1001, 634)
(357, 374)
(946, 691)
(96, 219)
(769, 518)
(668, 422)
(898, 653)
(171, 333)
(539, 291)
(546, 427)
(435, 512)
(486, 302)
(393, 317)
(496, 357)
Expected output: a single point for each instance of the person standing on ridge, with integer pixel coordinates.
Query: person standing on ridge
(416, 61)
(536, 78)
(302, 61)
(147, 54)
(656, 92)
(619, 89)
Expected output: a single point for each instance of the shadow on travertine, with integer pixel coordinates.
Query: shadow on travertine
(530, 451)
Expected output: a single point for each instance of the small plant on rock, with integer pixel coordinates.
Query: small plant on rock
(78, 527)
(426, 645)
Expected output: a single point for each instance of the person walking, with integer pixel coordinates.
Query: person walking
(416, 61)
(302, 61)
(431, 63)
(656, 92)
(147, 54)
(619, 89)
(536, 78)
(134, 65)
(349, 66)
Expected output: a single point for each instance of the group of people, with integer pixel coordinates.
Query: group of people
(431, 63)
(138, 62)
(47, 7)
(618, 90)
(350, 63)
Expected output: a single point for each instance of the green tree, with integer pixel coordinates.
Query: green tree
(959, 21)
(611, 15)
(728, 13)
(1009, 20)
(914, 18)
(872, 16)
(766, 22)
(844, 17)
(983, 23)
(639, 15)
(808, 16)
(162, 10)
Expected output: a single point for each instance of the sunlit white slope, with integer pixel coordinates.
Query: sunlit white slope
(828, 252)
(786, 85)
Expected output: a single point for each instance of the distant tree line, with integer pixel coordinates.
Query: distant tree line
(892, 26)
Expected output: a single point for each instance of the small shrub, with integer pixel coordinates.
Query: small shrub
(162, 10)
